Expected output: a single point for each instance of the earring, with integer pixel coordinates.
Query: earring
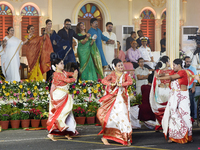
(28, 31)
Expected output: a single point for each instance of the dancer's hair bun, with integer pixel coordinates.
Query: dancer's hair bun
(53, 56)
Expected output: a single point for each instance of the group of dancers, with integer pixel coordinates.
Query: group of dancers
(171, 107)
(169, 96)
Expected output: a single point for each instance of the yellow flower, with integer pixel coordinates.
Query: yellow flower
(6, 82)
(92, 89)
(80, 81)
(74, 91)
(14, 82)
(3, 87)
(20, 86)
(98, 85)
(86, 81)
(95, 91)
(28, 89)
(35, 87)
(34, 94)
(27, 80)
(7, 94)
(23, 94)
(84, 91)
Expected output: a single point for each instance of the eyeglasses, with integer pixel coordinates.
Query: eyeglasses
(68, 24)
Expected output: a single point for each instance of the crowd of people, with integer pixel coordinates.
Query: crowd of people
(167, 95)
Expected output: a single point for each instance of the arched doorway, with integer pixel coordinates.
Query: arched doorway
(89, 11)
(148, 26)
(163, 27)
(30, 17)
(6, 20)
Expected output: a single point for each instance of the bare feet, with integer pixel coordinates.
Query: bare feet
(129, 143)
(169, 141)
(105, 141)
(68, 137)
(51, 137)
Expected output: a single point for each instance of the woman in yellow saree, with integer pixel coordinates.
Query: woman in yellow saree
(38, 50)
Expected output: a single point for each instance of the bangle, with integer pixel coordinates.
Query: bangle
(170, 78)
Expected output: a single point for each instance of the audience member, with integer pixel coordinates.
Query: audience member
(130, 39)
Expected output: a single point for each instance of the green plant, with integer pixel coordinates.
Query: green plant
(15, 115)
(79, 110)
(35, 113)
(4, 117)
(44, 115)
(135, 100)
(24, 114)
(90, 113)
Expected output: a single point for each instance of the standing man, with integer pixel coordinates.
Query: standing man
(95, 30)
(191, 88)
(67, 34)
(130, 39)
(140, 34)
(146, 54)
(163, 45)
(110, 50)
(141, 75)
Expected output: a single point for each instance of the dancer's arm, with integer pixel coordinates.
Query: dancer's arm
(128, 82)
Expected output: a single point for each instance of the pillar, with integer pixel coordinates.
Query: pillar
(137, 23)
(17, 21)
(50, 9)
(158, 23)
(172, 33)
(184, 10)
(130, 9)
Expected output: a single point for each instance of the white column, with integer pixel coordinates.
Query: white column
(17, 22)
(137, 23)
(50, 9)
(172, 33)
(130, 9)
(184, 9)
(158, 23)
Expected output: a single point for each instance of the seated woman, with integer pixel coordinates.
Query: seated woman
(176, 121)
(114, 111)
(121, 55)
(160, 92)
(61, 120)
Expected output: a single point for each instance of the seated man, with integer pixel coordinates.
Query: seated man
(146, 54)
(141, 75)
(133, 54)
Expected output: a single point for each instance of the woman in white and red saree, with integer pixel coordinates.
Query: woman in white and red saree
(114, 111)
(159, 94)
(176, 120)
(61, 120)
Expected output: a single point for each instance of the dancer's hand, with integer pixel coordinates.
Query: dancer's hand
(88, 35)
(196, 77)
(156, 74)
(75, 74)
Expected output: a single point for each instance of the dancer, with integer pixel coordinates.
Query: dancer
(114, 112)
(176, 120)
(159, 94)
(61, 120)
(10, 52)
(38, 50)
(89, 56)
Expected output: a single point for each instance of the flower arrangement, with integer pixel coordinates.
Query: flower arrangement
(136, 100)
(35, 113)
(44, 115)
(24, 90)
(4, 117)
(182, 54)
(79, 110)
(86, 90)
(15, 115)
(24, 114)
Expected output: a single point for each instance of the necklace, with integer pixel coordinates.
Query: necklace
(59, 71)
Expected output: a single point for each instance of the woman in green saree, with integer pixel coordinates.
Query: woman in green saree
(89, 56)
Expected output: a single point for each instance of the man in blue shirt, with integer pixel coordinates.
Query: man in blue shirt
(192, 86)
(95, 30)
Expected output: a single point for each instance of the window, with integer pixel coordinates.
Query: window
(6, 20)
(30, 17)
(87, 12)
(148, 26)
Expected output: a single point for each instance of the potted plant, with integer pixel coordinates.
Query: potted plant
(25, 121)
(15, 118)
(90, 116)
(94, 105)
(44, 116)
(79, 113)
(4, 121)
(35, 115)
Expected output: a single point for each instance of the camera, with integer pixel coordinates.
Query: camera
(197, 39)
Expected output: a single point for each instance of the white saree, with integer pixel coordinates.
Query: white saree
(10, 61)
(176, 120)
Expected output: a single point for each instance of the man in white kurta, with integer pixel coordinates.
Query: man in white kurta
(110, 50)
(146, 54)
